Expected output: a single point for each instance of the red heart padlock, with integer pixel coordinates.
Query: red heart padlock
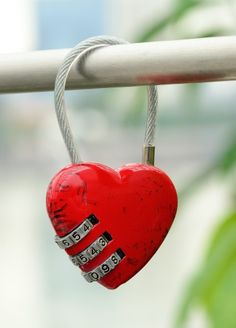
(111, 222)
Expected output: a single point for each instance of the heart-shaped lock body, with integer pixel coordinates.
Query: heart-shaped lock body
(111, 222)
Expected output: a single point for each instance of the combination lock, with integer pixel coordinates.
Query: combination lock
(92, 250)
(110, 222)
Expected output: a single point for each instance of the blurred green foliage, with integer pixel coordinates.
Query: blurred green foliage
(224, 164)
(213, 288)
(176, 14)
(178, 11)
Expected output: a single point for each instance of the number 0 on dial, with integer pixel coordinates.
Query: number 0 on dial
(105, 267)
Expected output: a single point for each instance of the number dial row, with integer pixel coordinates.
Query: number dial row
(90, 252)
(74, 236)
(104, 268)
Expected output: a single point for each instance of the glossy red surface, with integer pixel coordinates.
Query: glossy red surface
(136, 204)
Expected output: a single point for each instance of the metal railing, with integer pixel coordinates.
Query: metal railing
(164, 62)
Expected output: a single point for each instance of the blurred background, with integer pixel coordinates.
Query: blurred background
(190, 282)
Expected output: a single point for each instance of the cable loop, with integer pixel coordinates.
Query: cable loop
(79, 53)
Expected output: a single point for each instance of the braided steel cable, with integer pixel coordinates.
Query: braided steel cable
(79, 53)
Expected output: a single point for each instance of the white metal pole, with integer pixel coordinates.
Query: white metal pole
(164, 62)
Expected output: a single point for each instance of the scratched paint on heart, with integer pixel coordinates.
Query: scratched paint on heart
(135, 204)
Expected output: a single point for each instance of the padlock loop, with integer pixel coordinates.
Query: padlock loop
(79, 53)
